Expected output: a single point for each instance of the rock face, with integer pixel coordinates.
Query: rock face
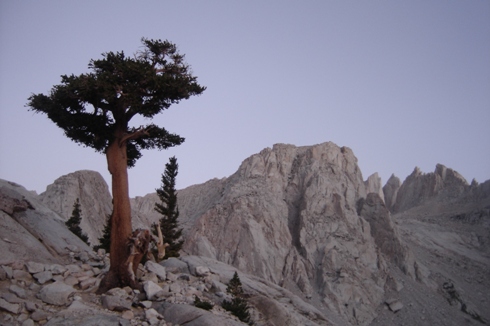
(95, 200)
(373, 184)
(385, 234)
(390, 191)
(289, 216)
(29, 230)
(419, 187)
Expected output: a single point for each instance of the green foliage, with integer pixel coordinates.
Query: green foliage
(93, 107)
(105, 240)
(73, 222)
(202, 304)
(238, 305)
(169, 210)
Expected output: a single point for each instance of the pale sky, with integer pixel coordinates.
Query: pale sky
(402, 83)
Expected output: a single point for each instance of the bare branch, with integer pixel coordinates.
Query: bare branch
(141, 132)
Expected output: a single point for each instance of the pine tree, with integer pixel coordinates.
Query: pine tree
(169, 210)
(95, 109)
(105, 240)
(238, 305)
(73, 222)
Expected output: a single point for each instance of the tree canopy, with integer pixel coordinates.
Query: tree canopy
(92, 106)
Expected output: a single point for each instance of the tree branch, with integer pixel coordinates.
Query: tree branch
(141, 132)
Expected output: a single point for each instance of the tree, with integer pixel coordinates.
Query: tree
(73, 222)
(95, 109)
(105, 239)
(238, 305)
(170, 211)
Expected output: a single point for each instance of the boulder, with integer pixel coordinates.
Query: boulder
(9, 307)
(56, 293)
(192, 316)
(151, 289)
(34, 267)
(43, 277)
(116, 303)
(159, 270)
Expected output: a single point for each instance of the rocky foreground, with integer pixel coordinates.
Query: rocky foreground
(34, 293)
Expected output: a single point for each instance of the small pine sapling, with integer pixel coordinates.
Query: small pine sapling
(202, 304)
(105, 239)
(169, 210)
(73, 222)
(238, 305)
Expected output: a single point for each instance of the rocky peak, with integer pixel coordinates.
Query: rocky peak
(390, 191)
(95, 200)
(373, 185)
(418, 187)
(289, 215)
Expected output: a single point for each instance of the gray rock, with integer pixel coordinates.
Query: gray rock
(373, 184)
(55, 269)
(395, 306)
(153, 316)
(31, 306)
(72, 268)
(159, 270)
(151, 289)
(39, 234)
(85, 284)
(147, 304)
(20, 275)
(9, 307)
(11, 298)
(390, 191)
(17, 290)
(43, 277)
(385, 234)
(39, 315)
(3, 274)
(71, 280)
(192, 316)
(419, 187)
(175, 288)
(202, 271)
(56, 293)
(34, 267)
(115, 303)
(175, 265)
(28, 322)
(8, 271)
(93, 193)
(88, 320)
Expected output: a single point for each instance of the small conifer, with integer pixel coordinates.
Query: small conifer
(238, 305)
(105, 240)
(169, 210)
(73, 222)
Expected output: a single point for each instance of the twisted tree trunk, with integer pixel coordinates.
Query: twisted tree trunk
(120, 273)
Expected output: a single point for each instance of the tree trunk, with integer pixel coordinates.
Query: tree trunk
(120, 273)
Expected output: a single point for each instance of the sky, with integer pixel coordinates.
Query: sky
(401, 83)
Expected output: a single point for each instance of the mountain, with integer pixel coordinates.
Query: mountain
(94, 196)
(48, 276)
(304, 219)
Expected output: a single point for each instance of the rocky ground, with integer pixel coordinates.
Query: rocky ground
(453, 243)
(53, 294)
(64, 294)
